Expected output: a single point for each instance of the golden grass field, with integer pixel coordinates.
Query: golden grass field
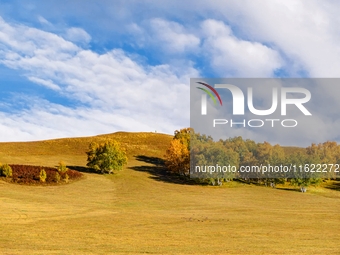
(140, 211)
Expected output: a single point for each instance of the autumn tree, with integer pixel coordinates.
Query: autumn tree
(184, 136)
(177, 158)
(106, 157)
(244, 148)
(214, 155)
(325, 153)
(302, 178)
(266, 155)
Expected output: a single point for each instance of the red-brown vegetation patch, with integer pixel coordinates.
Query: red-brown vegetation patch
(27, 174)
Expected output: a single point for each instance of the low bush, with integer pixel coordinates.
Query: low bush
(62, 167)
(57, 177)
(6, 170)
(26, 174)
(66, 178)
(42, 175)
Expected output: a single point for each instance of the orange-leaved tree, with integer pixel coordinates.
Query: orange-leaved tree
(177, 158)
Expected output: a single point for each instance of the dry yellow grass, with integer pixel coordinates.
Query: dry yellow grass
(137, 211)
(72, 150)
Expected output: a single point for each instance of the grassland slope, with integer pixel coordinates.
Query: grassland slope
(72, 150)
(138, 211)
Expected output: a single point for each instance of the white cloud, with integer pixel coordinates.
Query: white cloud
(173, 37)
(76, 34)
(26, 41)
(245, 38)
(118, 93)
(43, 21)
(306, 33)
(47, 83)
(235, 57)
(213, 42)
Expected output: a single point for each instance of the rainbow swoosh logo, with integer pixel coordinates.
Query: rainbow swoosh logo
(209, 92)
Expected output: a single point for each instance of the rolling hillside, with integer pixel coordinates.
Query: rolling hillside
(140, 211)
(72, 150)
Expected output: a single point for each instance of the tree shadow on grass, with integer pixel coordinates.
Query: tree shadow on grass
(288, 189)
(261, 184)
(83, 169)
(156, 167)
(334, 186)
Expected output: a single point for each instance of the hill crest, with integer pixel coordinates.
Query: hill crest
(72, 150)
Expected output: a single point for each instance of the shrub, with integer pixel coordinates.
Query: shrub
(57, 177)
(106, 157)
(6, 170)
(62, 167)
(42, 175)
(66, 177)
(27, 174)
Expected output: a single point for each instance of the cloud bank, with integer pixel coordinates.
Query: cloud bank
(126, 66)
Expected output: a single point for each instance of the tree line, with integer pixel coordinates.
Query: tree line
(312, 164)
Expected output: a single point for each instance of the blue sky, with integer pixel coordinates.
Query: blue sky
(81, 67)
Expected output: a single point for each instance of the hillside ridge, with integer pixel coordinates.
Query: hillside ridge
(72, 150)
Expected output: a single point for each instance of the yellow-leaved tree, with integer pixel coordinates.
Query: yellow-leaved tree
(177, 158)
(106, 157)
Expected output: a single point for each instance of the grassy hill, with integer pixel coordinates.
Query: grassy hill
(72, 150)
(140, 211)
